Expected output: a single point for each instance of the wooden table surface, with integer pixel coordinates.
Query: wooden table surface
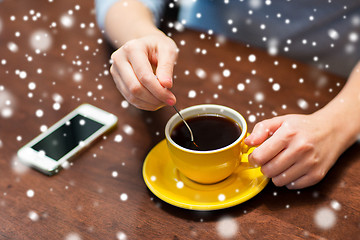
(53, 58)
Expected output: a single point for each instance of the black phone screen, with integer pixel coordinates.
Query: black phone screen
(68, 136)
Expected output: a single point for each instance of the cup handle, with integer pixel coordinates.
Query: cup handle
(244, 157)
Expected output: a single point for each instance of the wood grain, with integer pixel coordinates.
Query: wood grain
(84, 202)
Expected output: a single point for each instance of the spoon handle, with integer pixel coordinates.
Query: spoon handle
(191, 134)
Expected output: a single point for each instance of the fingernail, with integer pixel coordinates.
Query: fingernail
(170, 102)
(248, 138)
(168, 82)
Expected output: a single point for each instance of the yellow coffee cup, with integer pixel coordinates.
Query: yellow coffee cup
(212, 166)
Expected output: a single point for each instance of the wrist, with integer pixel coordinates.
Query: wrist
(338, 117)
(125, 22)
(143, 29)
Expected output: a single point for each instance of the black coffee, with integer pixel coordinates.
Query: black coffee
(210, 132)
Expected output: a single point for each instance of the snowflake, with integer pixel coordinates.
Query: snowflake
(325, 218)
(273, 46)
(33, 216)
(128, 129)
(259, 97)
(335, 205)
(43, 128)
(180, 184)
(114, 174)
(6, 102)
(221, 197)
(67, 21)
(123, 197)
(77, 77)
(226, 73)
(30, 193)
(82, 122)
(73, 236)
(276, 87)
(252, 118)
(124, 104)
(353, 37)
(252, 58)
(13, 47)
(241, 87)
(56, 106)
(22, 74)
(200, 73)
(255, 4)
(227, 227)
(333, 34)
(32, 86)
(118, 138)
(65, 165)
(192, 94)
(39, 113)
(40, 40)
(121, 236)
(303, 104)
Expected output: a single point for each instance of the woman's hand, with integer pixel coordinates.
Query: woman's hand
(133, 71)
(296, 151)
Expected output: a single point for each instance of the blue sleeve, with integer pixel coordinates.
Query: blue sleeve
(103, 6)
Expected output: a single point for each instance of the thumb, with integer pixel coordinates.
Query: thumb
(263, 130)
(167, 56)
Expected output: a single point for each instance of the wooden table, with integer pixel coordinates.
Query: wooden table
(52, 52)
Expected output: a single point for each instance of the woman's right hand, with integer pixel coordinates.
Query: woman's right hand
(133, 70)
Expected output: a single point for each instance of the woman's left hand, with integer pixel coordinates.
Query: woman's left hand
(296, 151)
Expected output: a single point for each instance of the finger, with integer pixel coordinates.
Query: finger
(138, 95)
(136, 101)
(132, 84)
(279, 164)
(270, 148)
(126, 75)
(289, 176)
(312, 176)
(143, 71)
(303, 182)
(263, 130)
(167, 55)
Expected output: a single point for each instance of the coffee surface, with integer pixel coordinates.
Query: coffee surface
(210, 132)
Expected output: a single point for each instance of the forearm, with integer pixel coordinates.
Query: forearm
(128, 20)
(343, 112)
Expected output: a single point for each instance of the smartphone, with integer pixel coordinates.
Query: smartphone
(54, 148)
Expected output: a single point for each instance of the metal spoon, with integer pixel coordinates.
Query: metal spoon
(191, 134)
(188, 127)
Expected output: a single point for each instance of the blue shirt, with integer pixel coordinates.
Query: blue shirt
(325, 33)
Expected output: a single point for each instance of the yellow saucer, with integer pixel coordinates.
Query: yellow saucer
(168, 184)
